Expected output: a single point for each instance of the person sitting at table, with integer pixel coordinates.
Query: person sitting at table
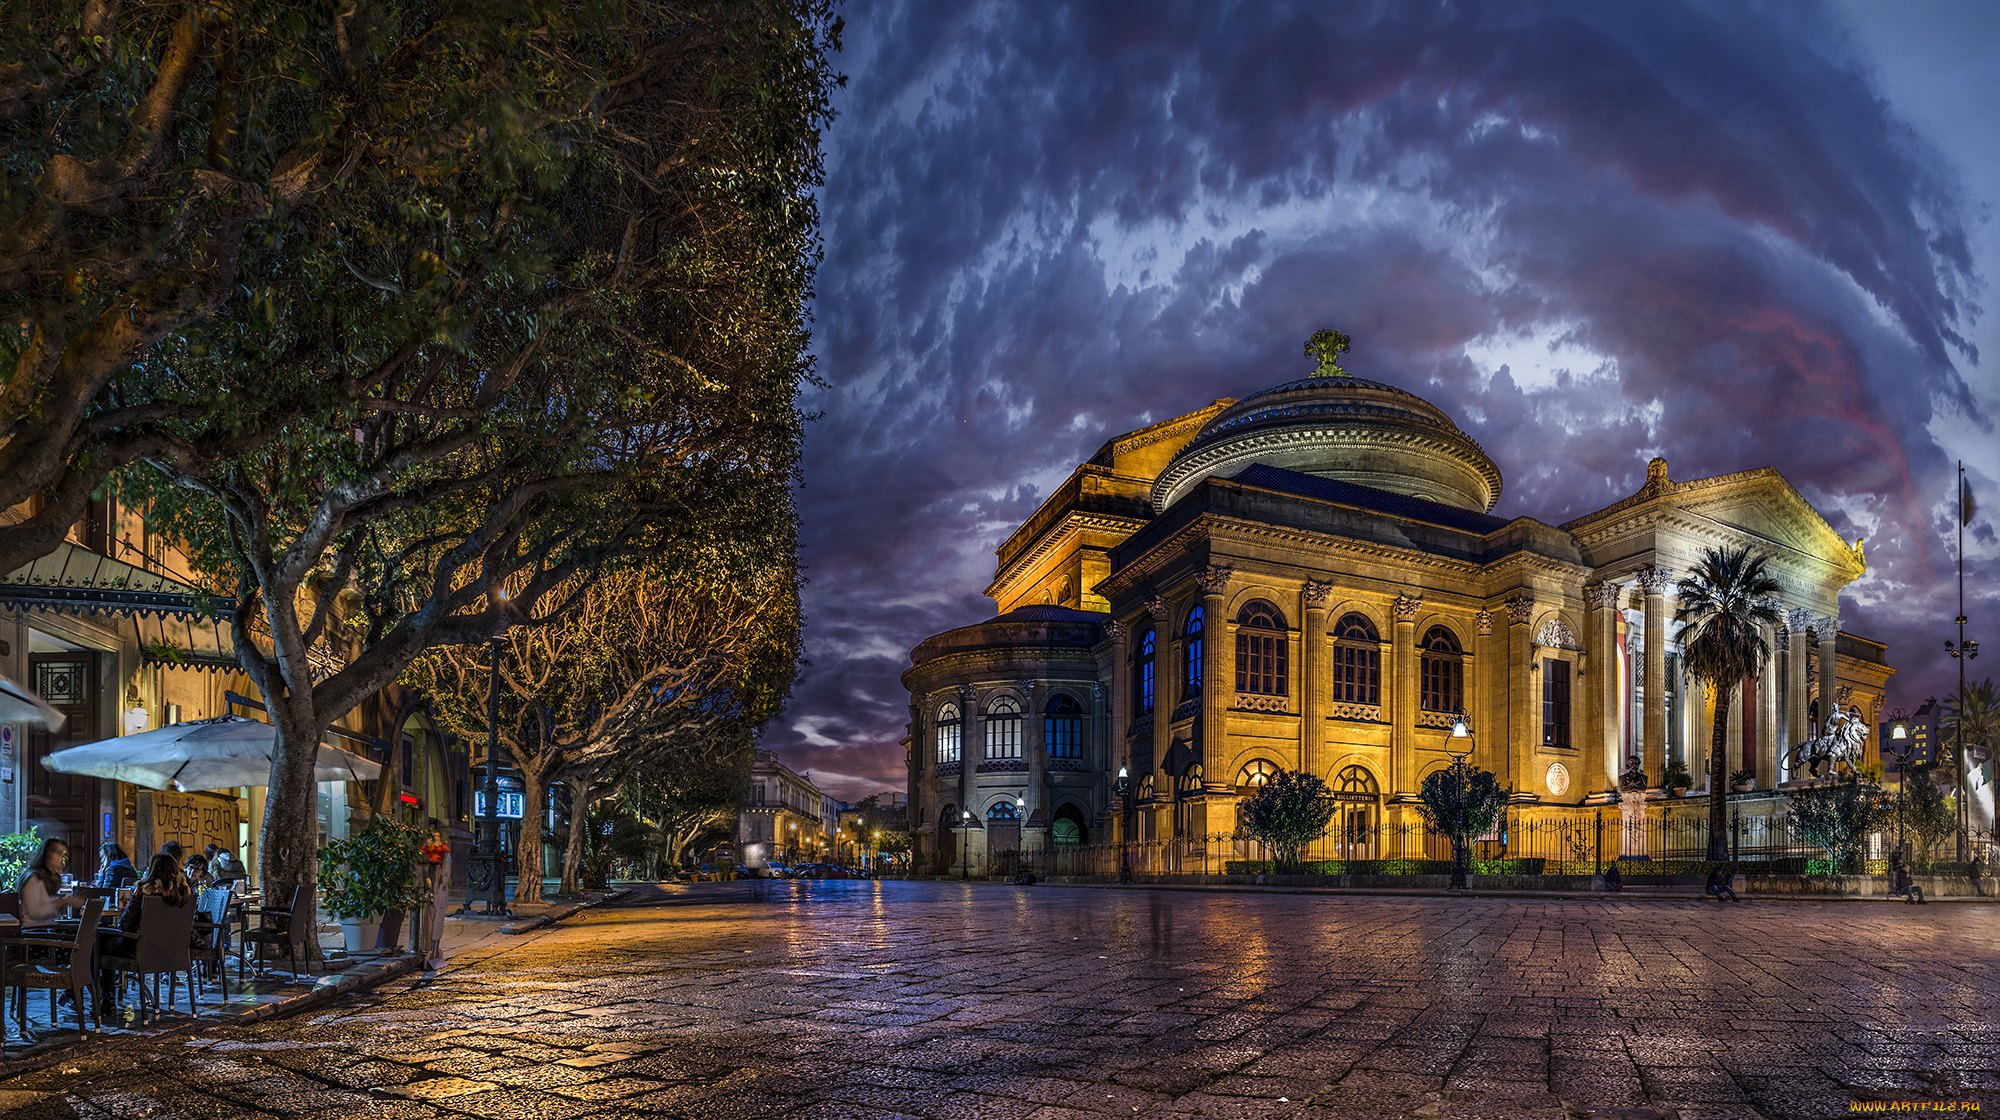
(223, 865)
(42, 897)
(173, 850)
(163, 884)
(116, 870)
(197, 872)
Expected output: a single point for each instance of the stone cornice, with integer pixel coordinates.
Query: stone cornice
(1067, 528)
(1455, 447)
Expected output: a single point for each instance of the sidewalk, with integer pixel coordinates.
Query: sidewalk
(272, 992)
(1629, 894)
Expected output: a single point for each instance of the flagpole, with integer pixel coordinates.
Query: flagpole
(1958, 749)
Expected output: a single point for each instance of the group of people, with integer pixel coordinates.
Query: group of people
(172, 876)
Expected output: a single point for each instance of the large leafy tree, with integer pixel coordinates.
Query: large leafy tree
(666, 671)
(554, 325)
(1289, 811)
(1475, 793)
(1928, 813)
(1724, 603)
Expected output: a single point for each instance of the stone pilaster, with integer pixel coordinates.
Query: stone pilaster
(1118, 707)
(1403, 700)
(971, 748)
(1601, 765)
(1312, 678)
(1656, 581)
(1524, 699)
(1163, 680)
(1035, 752)
(1829, 668)
(1767, 710)
(1218, 654)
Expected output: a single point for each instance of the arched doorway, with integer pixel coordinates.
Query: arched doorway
(1068, 827)
(1003, 835)
(1357, 817)
(947, 839)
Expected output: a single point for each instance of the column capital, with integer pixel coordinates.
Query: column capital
(1605, 593)
(1655, 579)
(1317, 592)
(1484, 619)
(1027, 689)
(968, 693)
(1407, 606)
(1798, 621)
(1827, 625)
(1214, 578)
(1117, 629)
(1157, 607)
(1521, 609)
(1096, 692)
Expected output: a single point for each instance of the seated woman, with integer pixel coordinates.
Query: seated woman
(115, 867)
(163, 885)
(42, 897)
(197, 872)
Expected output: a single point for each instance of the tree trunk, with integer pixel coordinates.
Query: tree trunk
(1718, 822)
(579, 813)
(288, 848)
(534, 786)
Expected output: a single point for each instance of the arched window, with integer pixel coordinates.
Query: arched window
(1003, 728)
(1142, 675)
(1356, 779)
(1255, 773)
(1146, 788)
(949, 726)
(1062, 727)
(1442, 671)
(1191, 682)
(1064, 830)
(1357, 661)
(1187, 787)
(1260, 650)
(1003, 810)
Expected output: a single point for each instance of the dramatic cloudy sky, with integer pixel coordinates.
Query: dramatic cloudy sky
(1733, 236)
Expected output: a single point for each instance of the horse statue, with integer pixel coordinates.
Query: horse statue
(1840, 744)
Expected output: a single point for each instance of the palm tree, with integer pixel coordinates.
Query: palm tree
(1722, 603)
(1978, 711)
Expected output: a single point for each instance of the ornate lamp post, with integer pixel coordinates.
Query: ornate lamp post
(1124, 791)
(486, 871)
(1901, 748)
(1461, 735)
(1966, 650)
(965, 847)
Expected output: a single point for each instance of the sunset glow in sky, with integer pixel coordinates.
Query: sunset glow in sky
(1732, 235)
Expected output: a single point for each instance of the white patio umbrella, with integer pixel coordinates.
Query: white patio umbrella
(18, 705)
(217, 753)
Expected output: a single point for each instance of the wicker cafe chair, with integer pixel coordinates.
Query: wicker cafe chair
(211, 928)
(274, 929)
(10, 904)
(76, 975)
(164, 934)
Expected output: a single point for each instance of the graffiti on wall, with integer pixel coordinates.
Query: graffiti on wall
(195, 819)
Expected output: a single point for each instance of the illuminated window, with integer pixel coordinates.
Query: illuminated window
(1442, 672)
(1142, 675)
(1062, 727)
(1255, 773)
(1191, 684)
(1555, 702)
(1003, 728)
(1357, 661)
(1260, 650)
(948, 728)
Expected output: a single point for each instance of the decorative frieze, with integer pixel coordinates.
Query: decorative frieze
(1358, 713)
(1068, 765)
(1407, 606)
(1002, 765)
(1436, 719)
(948, 769)
(1257, 702)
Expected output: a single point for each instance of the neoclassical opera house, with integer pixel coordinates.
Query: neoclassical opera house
(1311, 578)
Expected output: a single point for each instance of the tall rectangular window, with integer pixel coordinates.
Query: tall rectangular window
(1357, 674)
(1260, 663)
(947, 741)
(1555, 702)
(1442, 684)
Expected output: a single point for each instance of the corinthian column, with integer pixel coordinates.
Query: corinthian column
(1829, 669)
(1403, 712)
(1118, 706)
(1656, 581)
(1601, 765)
(1215, 683)
(971, 746)
(1767, 710)
(1312, 678)
(1033, 750)
(1796, 724)
(1524, 705)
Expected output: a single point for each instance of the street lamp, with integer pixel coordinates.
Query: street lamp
(1901, 748)
(792, 848)
(965, 848)
(1124, 791)
(1461, 733)
(1966, 650)
(486, 879)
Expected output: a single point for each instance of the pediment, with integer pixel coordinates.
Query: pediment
(1766, 507)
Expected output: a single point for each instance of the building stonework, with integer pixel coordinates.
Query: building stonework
(1310, 579)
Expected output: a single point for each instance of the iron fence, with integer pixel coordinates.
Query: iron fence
(1532, 843)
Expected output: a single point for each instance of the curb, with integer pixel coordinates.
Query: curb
(552, 918)
(1629, 894)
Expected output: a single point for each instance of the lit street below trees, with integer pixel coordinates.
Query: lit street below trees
(866, 1000)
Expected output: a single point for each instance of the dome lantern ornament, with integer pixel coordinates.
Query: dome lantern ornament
(1327, 347)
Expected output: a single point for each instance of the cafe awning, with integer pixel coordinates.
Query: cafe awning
(76, 580)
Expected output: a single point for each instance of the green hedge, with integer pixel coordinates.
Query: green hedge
(1347, 867)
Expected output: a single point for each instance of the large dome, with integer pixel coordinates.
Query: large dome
(1339, 427)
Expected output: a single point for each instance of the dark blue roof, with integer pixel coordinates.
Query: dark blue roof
(1047, 612)
(1367, 497)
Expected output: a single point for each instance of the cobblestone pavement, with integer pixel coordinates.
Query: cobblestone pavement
(866, 1000)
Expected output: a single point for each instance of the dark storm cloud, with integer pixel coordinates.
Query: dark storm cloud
(1050, 225)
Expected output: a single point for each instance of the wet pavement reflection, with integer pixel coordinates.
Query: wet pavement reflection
(874, 1000)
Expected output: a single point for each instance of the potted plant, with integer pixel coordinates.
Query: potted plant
(1677, 779)
(1743, 781)
(368, 875)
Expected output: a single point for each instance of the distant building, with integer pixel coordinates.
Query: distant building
(783, 819)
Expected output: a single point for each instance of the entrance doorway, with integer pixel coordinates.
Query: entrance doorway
(64, 806)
